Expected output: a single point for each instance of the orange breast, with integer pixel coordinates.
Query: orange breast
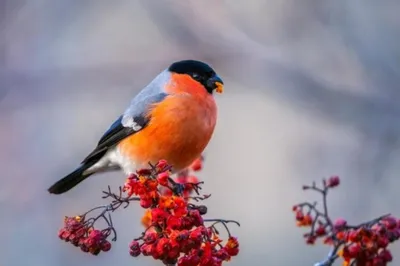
(179, 130)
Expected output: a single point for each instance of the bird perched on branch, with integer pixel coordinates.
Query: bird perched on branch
(172, 118)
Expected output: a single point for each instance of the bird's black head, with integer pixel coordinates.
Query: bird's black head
(200, 72)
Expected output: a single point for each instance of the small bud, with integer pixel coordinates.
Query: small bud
(311, 240)
(299, 215)
(339, 224)
(202, 209)
(333, 181)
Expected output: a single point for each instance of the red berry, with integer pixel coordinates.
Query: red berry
(134, 253)
(150, 237)
(382, 242)
(162, 178)
(182, 236)
(353, 250)
(174, 222)
(232, 251)
(187, 222)
(386, 255)
(105, 246)
(174, 251)
(196, 235)
(320, 231)
(61, 233)
(90, 242)
(66, 235)
(223, 254)
(134, 248)
(163, 246)
(353, 236)
(158, 215)
(72, 237)
(96, 235)
(157, 254)
(162, 164)
(80, 232)
(145, 202)
(180, 206)
(232, 242)
(146, 249)
(197, 219)
(82, 242)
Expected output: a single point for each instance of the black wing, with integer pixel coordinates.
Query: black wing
(113, 135)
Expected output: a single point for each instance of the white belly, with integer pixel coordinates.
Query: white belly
(114, 160)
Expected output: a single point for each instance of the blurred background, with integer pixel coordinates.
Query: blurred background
(311, 91)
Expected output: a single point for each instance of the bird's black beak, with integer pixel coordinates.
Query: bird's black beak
(217, 84)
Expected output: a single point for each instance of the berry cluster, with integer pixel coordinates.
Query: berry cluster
(200, 246)
(176, 231)
(81, 233)
(365, 244)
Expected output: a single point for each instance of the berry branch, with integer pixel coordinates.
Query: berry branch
(175, 230)
(365, 244)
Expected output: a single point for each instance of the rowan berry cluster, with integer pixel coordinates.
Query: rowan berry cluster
(365, 244)
(81, 233)
(176, 231)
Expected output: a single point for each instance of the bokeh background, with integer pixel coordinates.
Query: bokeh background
(311, 91)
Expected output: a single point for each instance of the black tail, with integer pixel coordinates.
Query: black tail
(71, 180)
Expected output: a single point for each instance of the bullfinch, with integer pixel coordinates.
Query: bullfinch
(172, 118)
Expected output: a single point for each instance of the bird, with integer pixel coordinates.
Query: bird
(172, 118)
